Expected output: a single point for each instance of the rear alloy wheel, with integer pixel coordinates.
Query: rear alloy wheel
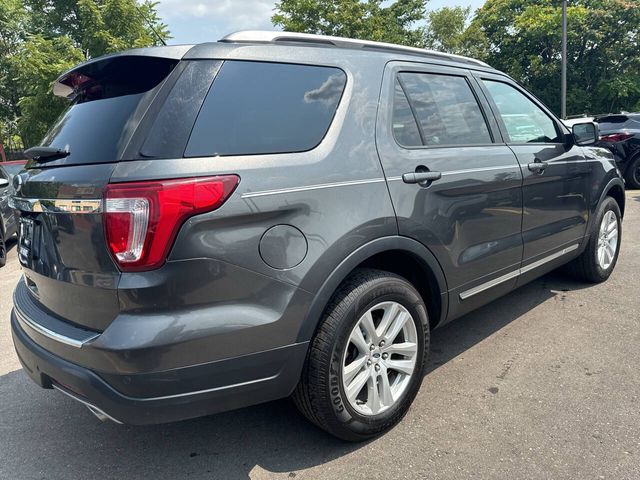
(379, 361)
(3, 250)
(366, 361)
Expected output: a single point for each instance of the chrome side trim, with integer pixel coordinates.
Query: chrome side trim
(539, 263)
(57, 205)
(281, 191)
(516, 273)
(72, 342)
(480, 170)
(92, 408)
(486, 286)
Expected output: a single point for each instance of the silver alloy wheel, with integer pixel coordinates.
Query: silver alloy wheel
(607, 240)
(380, 358)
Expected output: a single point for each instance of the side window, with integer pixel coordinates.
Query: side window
(524, 120)
(446, 110)
(405, 128)
(257, 108)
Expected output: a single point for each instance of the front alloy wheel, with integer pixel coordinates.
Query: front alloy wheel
(607, 240)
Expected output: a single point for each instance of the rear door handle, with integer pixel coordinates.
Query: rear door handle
(421, 177)
(537, 166)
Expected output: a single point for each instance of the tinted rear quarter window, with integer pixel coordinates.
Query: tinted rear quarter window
(260, 108)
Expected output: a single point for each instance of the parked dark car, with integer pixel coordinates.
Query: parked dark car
(8, 222)
(621, 133)
(209, 227)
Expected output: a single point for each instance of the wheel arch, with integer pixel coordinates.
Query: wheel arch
(385, 253)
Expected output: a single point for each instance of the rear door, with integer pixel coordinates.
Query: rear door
(433, 123)
(556, 175)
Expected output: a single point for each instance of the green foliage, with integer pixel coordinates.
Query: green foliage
(40, 39)
(364, 20)
(449, 30)
(524, 40)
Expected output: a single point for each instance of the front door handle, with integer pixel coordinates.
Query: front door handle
(421, 177)
(538, 166)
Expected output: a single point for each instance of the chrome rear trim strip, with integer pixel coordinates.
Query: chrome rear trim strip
(72, 342)
(516, 273)
(57, 205)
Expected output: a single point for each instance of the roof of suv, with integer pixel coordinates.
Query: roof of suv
(302, 39)
(269, 38)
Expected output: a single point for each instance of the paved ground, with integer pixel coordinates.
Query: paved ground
(544, 383)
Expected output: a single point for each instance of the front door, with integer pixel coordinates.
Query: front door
(455, 186)
(555, 172)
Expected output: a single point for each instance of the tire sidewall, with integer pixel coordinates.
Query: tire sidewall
(609, 204)
(3, 249)
(632, 181)
(345, 415)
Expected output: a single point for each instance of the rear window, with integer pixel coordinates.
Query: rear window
(257, 108)
(109, 102)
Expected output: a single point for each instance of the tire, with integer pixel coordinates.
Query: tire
(3, 249)
(632, 178)
(321, 394)
(587, 266)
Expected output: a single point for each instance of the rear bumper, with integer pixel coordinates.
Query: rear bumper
(233, 383)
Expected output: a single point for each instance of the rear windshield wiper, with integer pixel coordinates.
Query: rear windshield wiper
(45, 154)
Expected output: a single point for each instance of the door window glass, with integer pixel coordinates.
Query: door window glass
(405, 128)
(524, 120)
(446, 109)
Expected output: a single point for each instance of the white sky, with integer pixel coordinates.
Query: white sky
(196, 21)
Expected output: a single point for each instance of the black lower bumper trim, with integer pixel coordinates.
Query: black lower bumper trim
(86, 386)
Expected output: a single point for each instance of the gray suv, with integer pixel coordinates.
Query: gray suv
(209, 227)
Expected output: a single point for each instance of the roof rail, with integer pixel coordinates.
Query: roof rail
(265, 36)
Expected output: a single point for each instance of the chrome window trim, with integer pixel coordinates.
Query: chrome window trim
(516, 273)
(57, 205)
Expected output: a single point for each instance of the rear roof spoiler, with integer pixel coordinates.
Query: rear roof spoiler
(173, 52)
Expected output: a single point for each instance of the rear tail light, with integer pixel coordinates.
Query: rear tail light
(142, 219)
(616, 137)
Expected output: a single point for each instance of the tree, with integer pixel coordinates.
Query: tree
(40, 39)
(524, 40)
(449, 30)
(364, 20)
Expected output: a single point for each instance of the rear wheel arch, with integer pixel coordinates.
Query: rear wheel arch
(399, 255)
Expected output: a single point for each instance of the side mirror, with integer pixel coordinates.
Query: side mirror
(4, 182)
(586, 133)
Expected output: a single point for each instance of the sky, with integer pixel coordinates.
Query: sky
(196, 21)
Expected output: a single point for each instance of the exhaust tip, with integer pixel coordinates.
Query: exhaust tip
(102, 416)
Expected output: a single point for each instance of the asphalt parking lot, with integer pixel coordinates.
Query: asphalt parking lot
(544, 383)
